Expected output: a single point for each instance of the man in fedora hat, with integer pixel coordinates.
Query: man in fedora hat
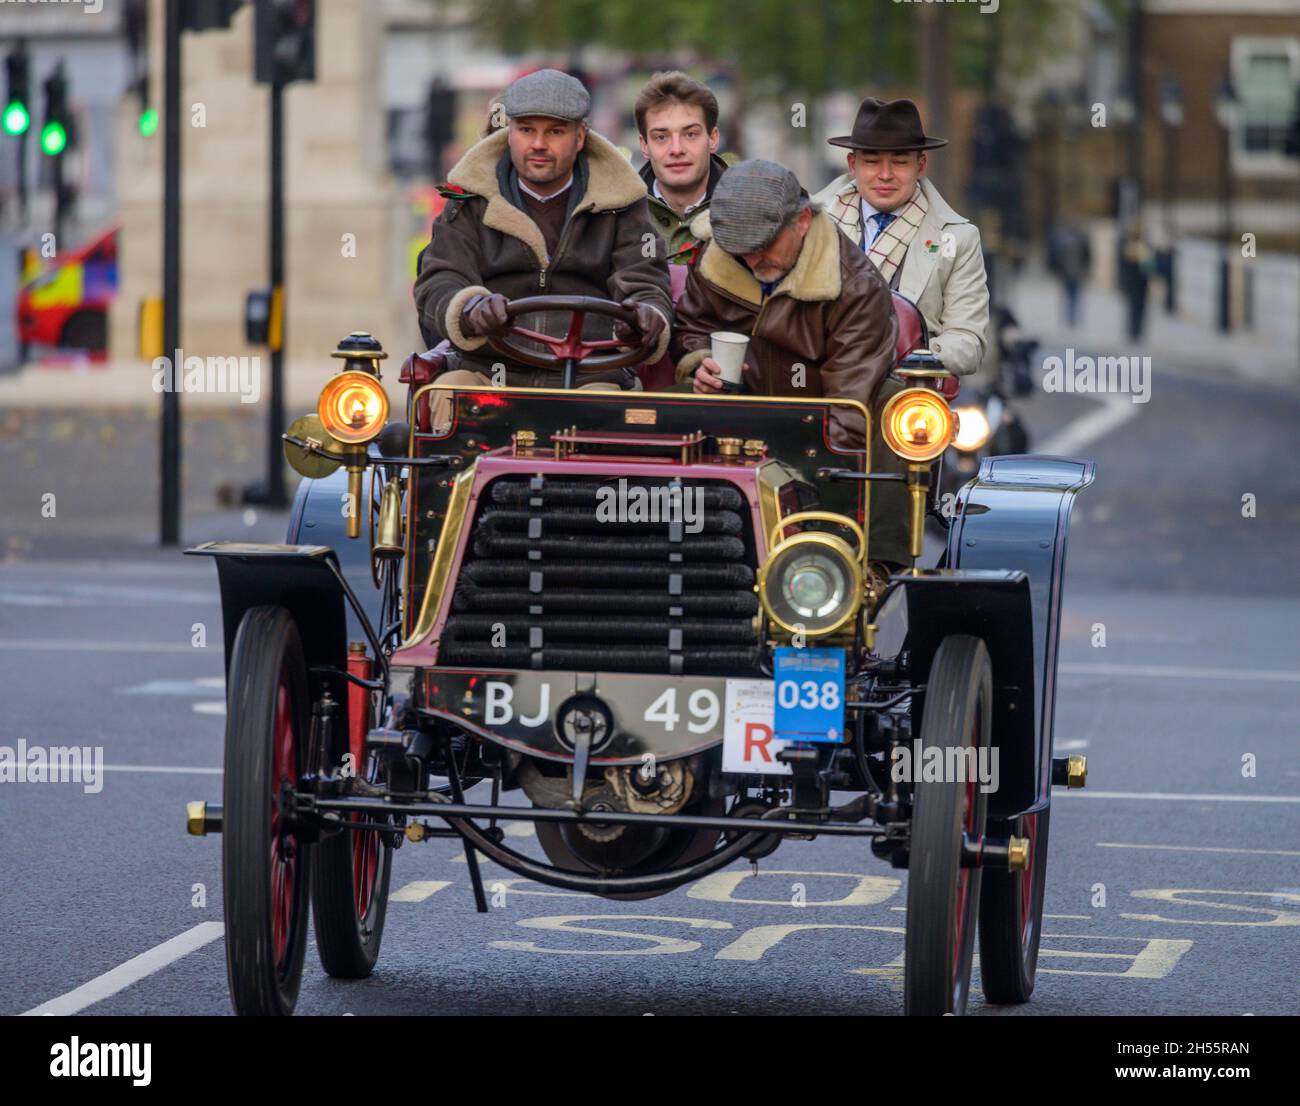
(923, 248)
(544, 206)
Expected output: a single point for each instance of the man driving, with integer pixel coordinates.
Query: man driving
(543, 207)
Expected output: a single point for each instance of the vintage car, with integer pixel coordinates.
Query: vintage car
(655, 618)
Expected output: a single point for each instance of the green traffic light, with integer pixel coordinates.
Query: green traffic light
(148, 122)
(16, 119)
(53, 139)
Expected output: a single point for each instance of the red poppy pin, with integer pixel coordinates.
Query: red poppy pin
(452, 191)
(931, 246)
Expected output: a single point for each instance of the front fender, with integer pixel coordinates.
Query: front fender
(1015, 515)
(993, 605)
(305, 579)
(317, 518)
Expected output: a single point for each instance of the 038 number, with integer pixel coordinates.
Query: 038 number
(808, 694)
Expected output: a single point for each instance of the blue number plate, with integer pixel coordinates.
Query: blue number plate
(809, 694)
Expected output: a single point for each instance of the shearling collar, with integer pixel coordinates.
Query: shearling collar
(844, 187)
(612, 184)
(815, 276)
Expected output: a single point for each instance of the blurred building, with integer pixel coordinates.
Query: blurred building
(343, 224)
(1173, 116)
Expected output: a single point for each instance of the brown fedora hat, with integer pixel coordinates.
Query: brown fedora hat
(888, 125)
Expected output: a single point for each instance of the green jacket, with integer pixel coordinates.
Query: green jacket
(683, 246)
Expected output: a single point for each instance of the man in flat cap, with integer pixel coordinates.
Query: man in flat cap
(542, 207)
(923, 248)
(819, 315)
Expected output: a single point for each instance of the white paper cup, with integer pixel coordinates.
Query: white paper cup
(729, 353)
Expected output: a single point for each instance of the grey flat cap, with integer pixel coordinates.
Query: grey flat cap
(753, 200)
(547, 92)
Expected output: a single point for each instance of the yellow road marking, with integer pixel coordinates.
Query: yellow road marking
(418, 890)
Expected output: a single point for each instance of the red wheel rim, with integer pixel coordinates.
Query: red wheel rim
(1028, 830)
(284, 856)
(964, 874)
(365, 867)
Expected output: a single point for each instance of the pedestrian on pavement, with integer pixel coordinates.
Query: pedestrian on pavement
(1069, 257)
(1136, 265)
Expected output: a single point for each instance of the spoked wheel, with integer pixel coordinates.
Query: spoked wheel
(350, 886)
(942, 896)
(265, 868)
(1011, 915)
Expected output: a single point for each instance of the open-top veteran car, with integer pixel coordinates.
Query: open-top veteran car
(657, 617)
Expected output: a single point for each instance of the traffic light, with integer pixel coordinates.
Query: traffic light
(17, 115)
(54, 135)
(439, 123)
(285, 41)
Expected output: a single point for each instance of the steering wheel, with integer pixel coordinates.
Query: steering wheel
(571, 351)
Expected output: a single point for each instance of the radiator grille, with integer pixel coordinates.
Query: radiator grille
(552, 580)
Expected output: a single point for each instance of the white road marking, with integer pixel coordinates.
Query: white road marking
(174, 687)
(1162, 795)
(134, 970)
(1073, 743)
(178, 770)
(1181, 672)
(1071, 917)
(1114, 413)
(209, 706)
(72, 646)
(97, 595)
(1197, 849)
(418, 890)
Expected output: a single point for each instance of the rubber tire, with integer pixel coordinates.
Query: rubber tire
(959, 691)
(266, 643)
(1007, 966)
(86, 330)
(348, 944)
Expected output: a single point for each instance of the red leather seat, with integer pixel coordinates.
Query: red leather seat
(663, 373)
(420, 369)
(912, 331)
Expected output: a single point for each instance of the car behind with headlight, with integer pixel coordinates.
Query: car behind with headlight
(654, 618)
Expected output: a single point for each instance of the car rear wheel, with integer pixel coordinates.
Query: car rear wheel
(1011, 915)
(350, 890)
(942, 896)
(265, 866)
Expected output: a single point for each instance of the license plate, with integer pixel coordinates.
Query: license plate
(809, 694)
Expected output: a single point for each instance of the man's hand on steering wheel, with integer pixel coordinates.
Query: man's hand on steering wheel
(485, 317)
(649, 326)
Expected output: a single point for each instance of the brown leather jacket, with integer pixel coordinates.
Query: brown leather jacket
(832, 314)
(483, 242)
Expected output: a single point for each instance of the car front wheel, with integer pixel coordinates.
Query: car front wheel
(942, 895)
